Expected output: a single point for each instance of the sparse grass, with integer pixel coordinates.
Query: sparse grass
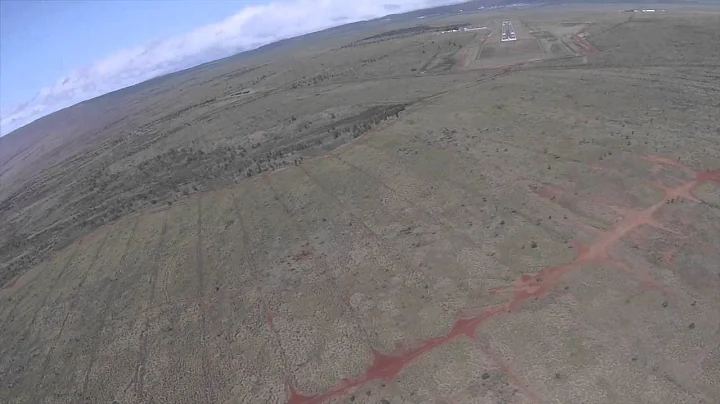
(241, 261)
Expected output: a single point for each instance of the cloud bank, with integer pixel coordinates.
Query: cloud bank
(249, 28)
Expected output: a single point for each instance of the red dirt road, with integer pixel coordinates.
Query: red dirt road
(387, 366)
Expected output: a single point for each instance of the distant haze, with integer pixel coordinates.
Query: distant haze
(249, 28)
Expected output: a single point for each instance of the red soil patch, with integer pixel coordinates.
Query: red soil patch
(387, 366)
(585, 47)
(9, 286)
(667, 256)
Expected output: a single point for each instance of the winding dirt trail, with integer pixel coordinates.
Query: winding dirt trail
(387, 366)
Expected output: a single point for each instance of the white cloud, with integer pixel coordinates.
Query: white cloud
(249, 28)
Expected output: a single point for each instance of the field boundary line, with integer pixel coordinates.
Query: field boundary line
(112, 293)
(65, 266)
(139, 377)
(531, 29)
(265, 308)
(71, 306)
(17, 298)
(209, 389)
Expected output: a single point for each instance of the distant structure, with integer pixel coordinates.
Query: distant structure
(474, 29)
(464, 29)
(646, 10)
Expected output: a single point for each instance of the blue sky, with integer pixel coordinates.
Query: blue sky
(56, 53)
(51, 38)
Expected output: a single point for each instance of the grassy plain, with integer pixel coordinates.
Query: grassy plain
(388, 214)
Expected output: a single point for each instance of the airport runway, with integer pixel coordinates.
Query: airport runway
(508, 32)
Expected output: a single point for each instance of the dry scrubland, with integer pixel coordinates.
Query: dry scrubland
(530, 223)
